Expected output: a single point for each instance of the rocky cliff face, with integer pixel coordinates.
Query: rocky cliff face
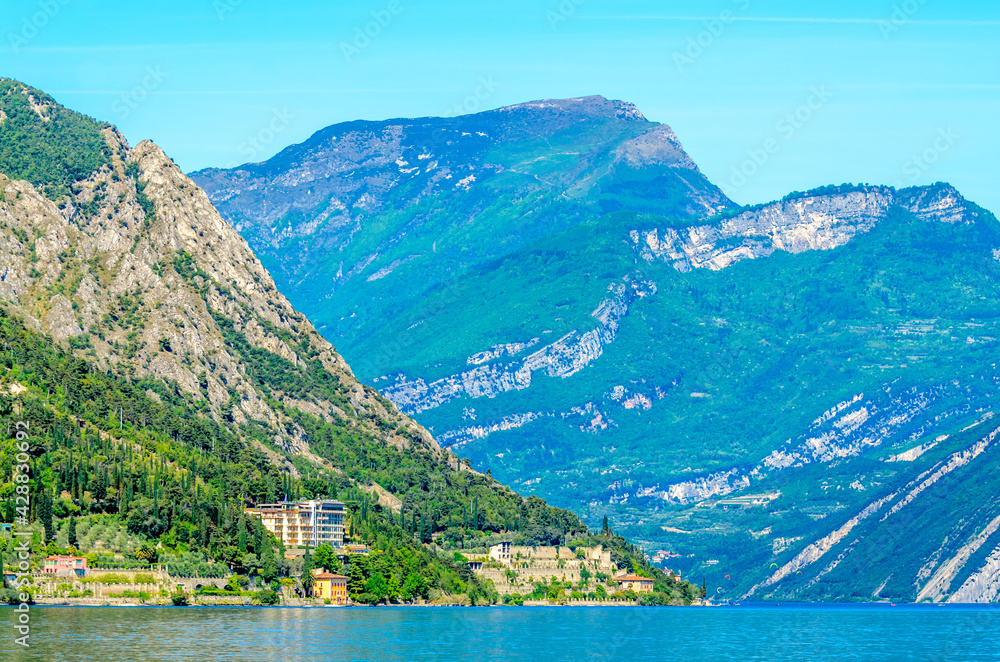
(137, 270)
(563, 358)
(803, 223)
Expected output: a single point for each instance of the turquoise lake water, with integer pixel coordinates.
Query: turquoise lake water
(828, 633)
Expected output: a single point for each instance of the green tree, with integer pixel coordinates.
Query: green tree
(307, 577)
(356, 586)
(326, 558)
(242, 535)
(72, 531)
(269, 568)
(414, 586)
(377, 587)
(45, 513)
(146, 552)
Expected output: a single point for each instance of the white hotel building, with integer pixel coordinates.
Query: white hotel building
(303, 523)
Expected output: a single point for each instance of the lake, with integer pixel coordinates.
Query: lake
(829, 633)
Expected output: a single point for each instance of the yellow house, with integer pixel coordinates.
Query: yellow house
(331, 587)
(635, 583)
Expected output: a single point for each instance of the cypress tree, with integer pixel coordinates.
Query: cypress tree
(242, 536)
(45, 508)
(72, 531)
(307, 578)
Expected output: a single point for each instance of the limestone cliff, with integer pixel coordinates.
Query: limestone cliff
(137, 270)
(802, 223)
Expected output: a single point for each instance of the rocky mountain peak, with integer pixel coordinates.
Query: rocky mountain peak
(939, 202)
(589, 106)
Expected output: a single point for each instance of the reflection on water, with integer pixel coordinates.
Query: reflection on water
(830, 633)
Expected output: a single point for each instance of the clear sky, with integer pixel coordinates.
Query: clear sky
(768, 96)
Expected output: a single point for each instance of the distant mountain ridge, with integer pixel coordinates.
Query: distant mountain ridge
(303, 208)
(793, 399)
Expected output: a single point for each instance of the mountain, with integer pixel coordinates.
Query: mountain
(168, 384)
(366, 216)
(792, 400)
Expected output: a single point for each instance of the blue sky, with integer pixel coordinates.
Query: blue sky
(768, 96)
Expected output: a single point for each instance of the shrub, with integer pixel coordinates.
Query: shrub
(266, 597)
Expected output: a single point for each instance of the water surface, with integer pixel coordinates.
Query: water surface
(828, 633)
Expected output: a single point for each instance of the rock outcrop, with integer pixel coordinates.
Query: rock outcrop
(137, 271)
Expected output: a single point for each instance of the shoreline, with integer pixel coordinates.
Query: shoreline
(64, 603)
(299, 604)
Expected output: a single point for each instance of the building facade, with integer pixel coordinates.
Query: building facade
(303, 523)
(66, 566)
(331, 587)
(500, 553)
(635, 583)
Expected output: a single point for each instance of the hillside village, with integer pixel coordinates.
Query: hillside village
(324, 569)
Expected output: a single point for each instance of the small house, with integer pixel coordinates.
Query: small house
(66, 565)
(331, 587)
(635, 583)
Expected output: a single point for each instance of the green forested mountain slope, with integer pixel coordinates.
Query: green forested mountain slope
(168, 385)
(365, 217)
(728, 389)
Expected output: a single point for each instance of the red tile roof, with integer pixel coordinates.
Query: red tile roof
(632, 578)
